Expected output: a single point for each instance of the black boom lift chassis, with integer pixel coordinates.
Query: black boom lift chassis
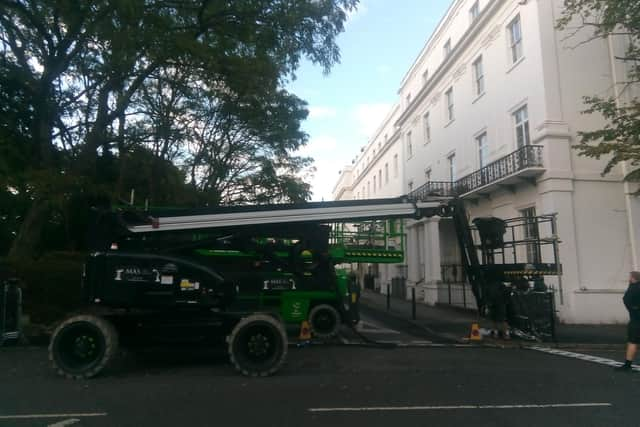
(236, 277)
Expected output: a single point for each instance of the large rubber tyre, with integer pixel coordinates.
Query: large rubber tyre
(257, 345)
(83, 346)
(324, 321)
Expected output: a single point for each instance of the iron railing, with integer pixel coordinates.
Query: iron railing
(434, 189)
(524, 157)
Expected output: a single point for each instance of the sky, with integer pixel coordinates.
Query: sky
(382, 39)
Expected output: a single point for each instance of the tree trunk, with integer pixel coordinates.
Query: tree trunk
(27, 244)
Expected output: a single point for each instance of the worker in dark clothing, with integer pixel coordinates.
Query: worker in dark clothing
(631, 301)
(497, 296)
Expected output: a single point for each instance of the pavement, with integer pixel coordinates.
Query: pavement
(452, 324)
(320, 385)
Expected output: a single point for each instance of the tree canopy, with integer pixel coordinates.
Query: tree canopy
(620, 137)
(181, 100)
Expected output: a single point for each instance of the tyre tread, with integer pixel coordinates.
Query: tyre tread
(111, 346)
(236, 330)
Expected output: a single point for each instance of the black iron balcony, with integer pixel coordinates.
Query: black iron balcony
(434, 189)
(524, 162)
(528, 156)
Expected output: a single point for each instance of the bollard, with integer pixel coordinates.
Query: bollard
(388, 298)
(413, 303)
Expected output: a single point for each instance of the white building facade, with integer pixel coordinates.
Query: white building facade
(492, 106)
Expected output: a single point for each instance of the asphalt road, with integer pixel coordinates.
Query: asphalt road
(326, 385)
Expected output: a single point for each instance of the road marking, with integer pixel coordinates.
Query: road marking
(458, 407)
(65, 423)
(409, 344)
(36, 416)
(374, 328)
(580, 356)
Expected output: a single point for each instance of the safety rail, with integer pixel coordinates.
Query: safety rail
(524, 157)
(434, 189)
(528, 156)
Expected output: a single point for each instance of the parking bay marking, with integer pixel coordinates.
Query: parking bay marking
(65, 416)
(65, 423)
(580, 356)
(372, 328)
(461, 407)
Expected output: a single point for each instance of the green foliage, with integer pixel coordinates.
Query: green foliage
(100, 97)
(619, 140)
(51, 286)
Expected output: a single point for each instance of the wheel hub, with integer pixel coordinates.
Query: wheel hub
(84, 346)
(258, 345)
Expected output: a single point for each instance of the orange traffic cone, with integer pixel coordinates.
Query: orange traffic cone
(475, 333)
(305, 331)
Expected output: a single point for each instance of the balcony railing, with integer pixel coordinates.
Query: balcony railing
(434, 189)
(528, 156)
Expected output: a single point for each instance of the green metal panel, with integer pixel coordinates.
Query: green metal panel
(295, 307)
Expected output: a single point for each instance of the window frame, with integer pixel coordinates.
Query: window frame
(482, 145)
(474, 11)
(516, 51)
(478, 75)
(409, 141)
(449, 105)
(426, 126)
(451, 159)
(521, 122)
(531, 231)
(447, 49)
(395, 165)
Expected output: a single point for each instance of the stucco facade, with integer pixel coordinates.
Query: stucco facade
(489, 92)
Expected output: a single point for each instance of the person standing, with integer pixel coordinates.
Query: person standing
(631, 301)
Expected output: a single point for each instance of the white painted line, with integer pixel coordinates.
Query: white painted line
(65, 423)
(378, 331)
(36, 416)
(580, 356)
(460, 407)
(374, 328)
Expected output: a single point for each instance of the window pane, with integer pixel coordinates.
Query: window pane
(520, 136)
(479, 75)
(482, 149)
(515, 36)
(452, 168)
(395, 166)
(474, 11)
(427, 128)
(531, 232)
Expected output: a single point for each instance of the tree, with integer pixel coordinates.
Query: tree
(72, 75)
(240, 147)
(620, 137)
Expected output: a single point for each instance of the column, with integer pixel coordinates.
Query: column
(432, 273)
(412, 256)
